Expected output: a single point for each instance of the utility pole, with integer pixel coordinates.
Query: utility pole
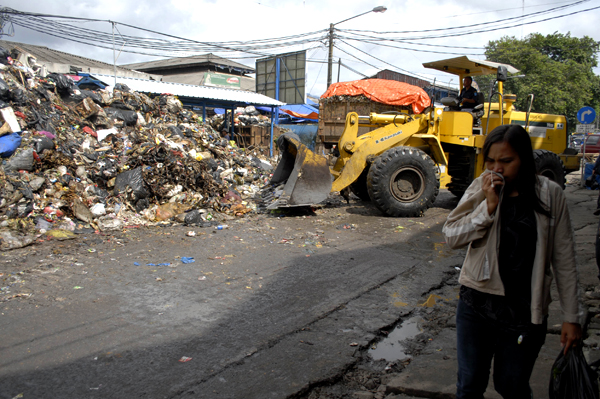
(114, 54)
(330, 59)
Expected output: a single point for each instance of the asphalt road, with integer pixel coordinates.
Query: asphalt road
(270, 308)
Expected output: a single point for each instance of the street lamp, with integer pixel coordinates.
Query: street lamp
(330, 60)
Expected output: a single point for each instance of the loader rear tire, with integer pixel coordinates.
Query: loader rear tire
(403, 182)
(550, 165)
(359, 187)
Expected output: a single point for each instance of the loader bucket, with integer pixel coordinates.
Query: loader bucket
(304, 175)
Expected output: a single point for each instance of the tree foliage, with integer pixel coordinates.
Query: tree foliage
(558, 71)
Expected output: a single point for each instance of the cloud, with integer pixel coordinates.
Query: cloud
(242, 20)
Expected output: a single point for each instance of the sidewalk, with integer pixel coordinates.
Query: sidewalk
(433, 374)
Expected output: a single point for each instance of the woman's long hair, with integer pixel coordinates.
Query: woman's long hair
(518, 138)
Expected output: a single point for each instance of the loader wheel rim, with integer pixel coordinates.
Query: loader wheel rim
(407, 184)
(549, 174)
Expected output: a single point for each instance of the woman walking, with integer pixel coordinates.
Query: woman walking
(518, 232)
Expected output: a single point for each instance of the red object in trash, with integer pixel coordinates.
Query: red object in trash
(20, 115)
(89, 130)
(50, 210)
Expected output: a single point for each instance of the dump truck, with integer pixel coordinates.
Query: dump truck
(401, 164)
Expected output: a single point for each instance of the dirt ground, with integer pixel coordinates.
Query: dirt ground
(287, 304)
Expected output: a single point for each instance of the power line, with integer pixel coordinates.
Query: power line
(505, 9)
(479, 24)
(412, 49)
(385, 62)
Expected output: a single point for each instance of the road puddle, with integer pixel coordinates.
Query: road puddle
(391, 348)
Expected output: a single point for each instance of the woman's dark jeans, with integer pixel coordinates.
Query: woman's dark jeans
(478, 341)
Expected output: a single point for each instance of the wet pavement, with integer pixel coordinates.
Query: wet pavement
(275, 305)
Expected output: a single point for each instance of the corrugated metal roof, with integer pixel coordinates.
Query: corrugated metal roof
(183, 90)
(467, 66)
(47, 55)
(196, 60)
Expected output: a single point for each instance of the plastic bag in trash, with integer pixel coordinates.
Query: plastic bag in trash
(9, 144)
(64, 85)
(133, 179)
(4, 90)
(4, 54)
(572, 378)
(12, 240)
(129, 118)
(22, 160)
(18, 96)
(193, 217)
(591, 182)
(41, 143)
(122, 87)
(97, 98)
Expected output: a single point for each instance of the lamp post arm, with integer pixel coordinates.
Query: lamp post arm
(331, 29)
(356, 16)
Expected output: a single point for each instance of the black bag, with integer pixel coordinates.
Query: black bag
(134, 179)
(591, 182)
(129, 118)
(64, 85)
(4, 90)
(572, 378)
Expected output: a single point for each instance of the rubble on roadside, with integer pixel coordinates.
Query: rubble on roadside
(77, 160)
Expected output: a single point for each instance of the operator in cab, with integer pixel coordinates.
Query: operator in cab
(468, 96)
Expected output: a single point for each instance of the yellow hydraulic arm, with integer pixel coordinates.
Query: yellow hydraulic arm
(355, 150)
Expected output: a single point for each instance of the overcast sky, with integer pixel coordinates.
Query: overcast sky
(237, 20)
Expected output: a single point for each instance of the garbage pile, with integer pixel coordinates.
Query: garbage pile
(247, 116)
(76, 160)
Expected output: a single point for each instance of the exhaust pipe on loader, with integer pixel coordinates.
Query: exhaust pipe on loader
(305, 174)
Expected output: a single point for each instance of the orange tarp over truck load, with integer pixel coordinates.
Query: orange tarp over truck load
(383, 91)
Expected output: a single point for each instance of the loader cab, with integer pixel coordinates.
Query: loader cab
(468, 127)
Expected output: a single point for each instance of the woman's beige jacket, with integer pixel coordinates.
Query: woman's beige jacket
(470, 224)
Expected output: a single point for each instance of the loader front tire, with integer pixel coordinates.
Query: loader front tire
(550, 165)
(359, 187)
(403, 182)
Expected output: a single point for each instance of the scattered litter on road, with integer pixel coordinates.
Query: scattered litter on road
(202, 278)
(185, 259)
(61, 234)
(184, 359)
(77, 287)
(136, 263)
(191, 234)
(346, 226)
(158, 264)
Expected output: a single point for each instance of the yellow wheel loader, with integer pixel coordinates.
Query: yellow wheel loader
(401, 164)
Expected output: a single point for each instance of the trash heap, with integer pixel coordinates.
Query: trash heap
(77, 160)
(247, 116)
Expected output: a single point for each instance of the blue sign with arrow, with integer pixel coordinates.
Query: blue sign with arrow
(586, 115)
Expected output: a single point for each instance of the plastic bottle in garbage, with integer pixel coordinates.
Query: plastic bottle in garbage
(221, 227)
